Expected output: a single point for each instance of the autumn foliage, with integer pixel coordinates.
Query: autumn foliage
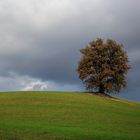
(103, 66)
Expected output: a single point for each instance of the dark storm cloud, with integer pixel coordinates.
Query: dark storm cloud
(42, 39)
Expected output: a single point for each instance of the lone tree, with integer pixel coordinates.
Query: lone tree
(103, 66)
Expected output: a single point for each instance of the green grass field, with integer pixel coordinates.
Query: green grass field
(67, 116)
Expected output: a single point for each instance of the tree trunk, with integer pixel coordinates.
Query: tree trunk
(101, 89)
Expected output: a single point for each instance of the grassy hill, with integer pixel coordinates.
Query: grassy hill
(67, 116)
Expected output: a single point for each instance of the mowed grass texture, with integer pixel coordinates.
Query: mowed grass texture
(67, 116)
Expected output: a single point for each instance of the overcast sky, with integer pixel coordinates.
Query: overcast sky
(40, 41)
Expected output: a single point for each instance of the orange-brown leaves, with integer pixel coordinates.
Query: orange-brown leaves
(103, 66)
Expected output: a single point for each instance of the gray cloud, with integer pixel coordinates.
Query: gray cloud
(42, 39)
(13, 82)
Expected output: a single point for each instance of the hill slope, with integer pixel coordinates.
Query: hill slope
(67, 116)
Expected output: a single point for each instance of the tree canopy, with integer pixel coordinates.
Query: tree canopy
(103, 66)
